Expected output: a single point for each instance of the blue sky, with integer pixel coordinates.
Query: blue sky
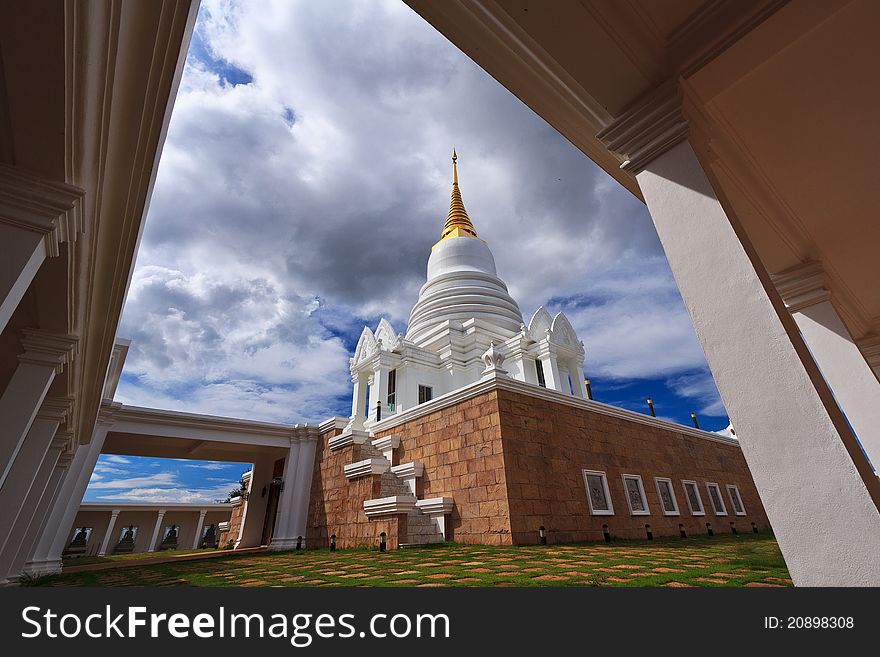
(304, 179)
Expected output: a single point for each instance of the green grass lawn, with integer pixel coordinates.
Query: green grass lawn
(743, 560)
(136, 556)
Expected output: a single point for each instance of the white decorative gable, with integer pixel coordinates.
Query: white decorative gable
(539, 324)
(367, 347)
(386, 337)
(562, 333)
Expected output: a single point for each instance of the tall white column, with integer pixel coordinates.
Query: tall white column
(379, 391)
(17, 533)
(35, 215)
(854, 384)
(358, 403)
(283, 538)
(38, 524)
(154, 539)
(817, 488)
(108, 535)
(47, 555)
(302, 494)
(22, 481)
(198, 537)
(45, 355)
(552, 378)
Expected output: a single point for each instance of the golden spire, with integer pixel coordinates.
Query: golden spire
(458, 224)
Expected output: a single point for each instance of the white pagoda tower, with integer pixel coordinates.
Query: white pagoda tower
(464, 326)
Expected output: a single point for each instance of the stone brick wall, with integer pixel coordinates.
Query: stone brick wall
(547, 445)
(513, 462)
(461, 449)
(235, 519)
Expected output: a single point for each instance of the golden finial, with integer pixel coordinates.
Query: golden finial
(458, 224)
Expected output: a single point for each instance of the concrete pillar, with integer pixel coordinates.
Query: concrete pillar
(379, 392)
(817, 487)
(254, 515)
(854, 384)
(16, 535)
(870, 348)
(198, 538)
(38, 524)
(35, 215)
(552, 377)
(577, 378)
(45, 355)
(54, 538)
(283, 537)
(303, 484)
(358, 403)
(22, 481)
(23, 253)
(154, 539)
(108, 535)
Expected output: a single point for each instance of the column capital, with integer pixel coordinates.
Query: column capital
(649, 128)
(44, 348)
(115, 512)
(203, 512)
(802, 286)
(55, 408)
(870, 348)
(106, 413)
(65, 459)
(162, 513)
(32, 203)
(63, 440)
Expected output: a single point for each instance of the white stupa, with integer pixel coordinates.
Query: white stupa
(464, 326)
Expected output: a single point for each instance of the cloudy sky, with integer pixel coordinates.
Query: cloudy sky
(305, 177)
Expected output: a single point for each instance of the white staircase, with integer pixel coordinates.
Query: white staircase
(426, 519)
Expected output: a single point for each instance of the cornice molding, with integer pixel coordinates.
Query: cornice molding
(712, 29)
(159, 417)
(870, 348)
(55, 408)
(32, 203)
(653, 125)
(545, 394)
(802, 286)
(51, 349)
(333, 423)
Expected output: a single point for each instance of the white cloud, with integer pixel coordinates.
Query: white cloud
(168, 478)
(270, 240)
(153, 495)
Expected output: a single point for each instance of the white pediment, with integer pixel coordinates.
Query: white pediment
(367, 346)
(563, 334)
(539, 324)
(386, 336)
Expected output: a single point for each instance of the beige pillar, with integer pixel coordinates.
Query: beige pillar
(35, 215)
(817, 487)
(19, 529)
(38, 524)
(303, 483)
(154, 539)
(283, 537)
(54, 537)
(854, 384)
(108, 535)
(198, 537)
(45, 355)
(22, 481)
